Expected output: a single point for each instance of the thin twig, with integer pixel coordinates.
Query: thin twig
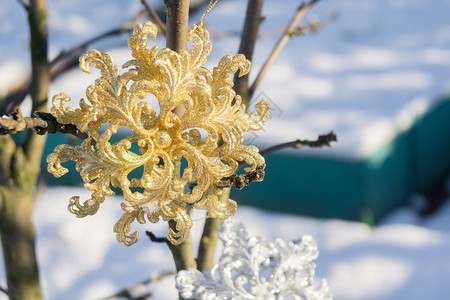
(25, 5)
(43, 123)
(197, 5)
(128, 27)
(322, 140)
(156, 239)
(302, 10)
(314, 25)
(127, 292)
(63, 62)
(154, 16)
(3, 290)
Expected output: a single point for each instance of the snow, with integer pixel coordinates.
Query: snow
(405, 257)
(366, 76)
(356, 73)
(356, 76)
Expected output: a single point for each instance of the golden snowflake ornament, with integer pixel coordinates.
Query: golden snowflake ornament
(206, 140)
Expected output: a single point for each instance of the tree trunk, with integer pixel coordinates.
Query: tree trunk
(18, 241)
(19, 170)
(210, 236)
(176, 39)
(249, 35)
(208, 242)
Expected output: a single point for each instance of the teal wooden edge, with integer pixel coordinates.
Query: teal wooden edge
(364, 189)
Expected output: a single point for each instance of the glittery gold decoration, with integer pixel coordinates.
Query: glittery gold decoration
(206, 140)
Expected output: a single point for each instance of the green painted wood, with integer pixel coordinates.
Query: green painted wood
(356, 190)
(308, 185)
(391, 176)
(432, 138)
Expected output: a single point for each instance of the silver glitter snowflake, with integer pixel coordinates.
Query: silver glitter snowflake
(253, 268)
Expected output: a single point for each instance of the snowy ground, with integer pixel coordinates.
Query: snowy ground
(366, 76)
(403, 258)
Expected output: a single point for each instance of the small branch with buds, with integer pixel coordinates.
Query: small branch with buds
(322, 140)
(242, 180)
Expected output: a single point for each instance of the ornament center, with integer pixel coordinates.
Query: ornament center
(163, 139)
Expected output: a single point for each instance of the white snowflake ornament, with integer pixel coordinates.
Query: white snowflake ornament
(253, 268)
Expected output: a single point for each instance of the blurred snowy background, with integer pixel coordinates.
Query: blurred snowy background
(366, 76)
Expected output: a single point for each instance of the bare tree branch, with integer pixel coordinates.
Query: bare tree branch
(64, 61)
(242, 180)
(176, 39)
(302, 10)
(156, 239)
(19, 169)
(322, 140)
(128, 27)
(46, 123)
(24, 4)
(17, 123)
(130, 291)
(314, 25)
(208, 241)
(43, 123)
(3, 290)
(154, 16)
(249, 35)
